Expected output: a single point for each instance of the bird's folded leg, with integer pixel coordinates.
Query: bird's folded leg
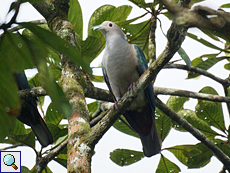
(130, 88)
(115, 104)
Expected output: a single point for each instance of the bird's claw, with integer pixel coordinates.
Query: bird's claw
(115, 105)
(130, 88)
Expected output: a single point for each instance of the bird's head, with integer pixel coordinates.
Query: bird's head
(109, 28)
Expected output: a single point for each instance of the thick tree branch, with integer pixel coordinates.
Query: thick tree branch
(43, 161)
(196, 133)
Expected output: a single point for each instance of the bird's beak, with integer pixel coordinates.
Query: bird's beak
(96, 27)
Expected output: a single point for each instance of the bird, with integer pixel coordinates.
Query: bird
(29, 114)
(122, 65)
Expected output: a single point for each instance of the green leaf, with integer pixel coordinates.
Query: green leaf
(176, 103)
(75, 17)
(60, 45)
(57, 95)
(227, 66)
(201, 125)
(92, 107)
(91, 48)
(198, 155)
(34, 82)
(164, 124)
(52, 115)
(167, 166)
(225, 6)
(124, 157)
(19, 128)
(107, 13)
(204, 42)
(192, 2)
(178, 151)
(25, 169)
(224, 146)
(210, 112)
(95, 78)
(122, 127)
(185, 57)
(204, 62)
(28, 139)
(56, 131)
(210, 34)
(15, 51)
(139, 34)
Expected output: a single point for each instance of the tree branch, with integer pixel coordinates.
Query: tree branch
(43, 161)
(196, 133)
(199, 71)
(190, 94)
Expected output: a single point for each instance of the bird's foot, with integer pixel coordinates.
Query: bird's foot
(130, 88)
(115, 105)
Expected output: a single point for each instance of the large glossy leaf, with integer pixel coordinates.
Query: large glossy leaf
(225, 5)
(210, 112)
(107, 13)
(39, 53)
(204, 62)
(56, 131)
(204, 42)
(124, 157)
(163, 122)
(198, 155)
(19, 128)
(25, 169)
(75, 17)
(28, 139)
(52, 40)
(124, 128)
(166, 166)
(52, 115)
(185, 57)
(178, 151)
(224, 146)
(91, 48)
(16, 52)
(176, 103)
(201, 125)
(139, 34)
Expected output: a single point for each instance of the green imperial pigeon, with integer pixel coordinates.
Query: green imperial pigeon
(122, 65)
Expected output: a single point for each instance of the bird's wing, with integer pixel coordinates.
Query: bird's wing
(105, 76)
(142, 67)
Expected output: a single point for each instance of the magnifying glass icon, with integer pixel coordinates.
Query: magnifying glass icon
(9, 160)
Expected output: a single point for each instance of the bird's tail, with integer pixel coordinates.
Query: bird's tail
(152, 142)
(42, 132)
(144, 124)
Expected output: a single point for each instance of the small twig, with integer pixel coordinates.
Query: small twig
(199, 71)
(43, 161)
(13, 19)
(95, 120)
(12, 146)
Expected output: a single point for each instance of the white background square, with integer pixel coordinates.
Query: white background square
(7, 169)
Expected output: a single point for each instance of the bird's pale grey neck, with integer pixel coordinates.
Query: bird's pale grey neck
(115, 41)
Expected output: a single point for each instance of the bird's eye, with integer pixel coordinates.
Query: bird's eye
(110, 24)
